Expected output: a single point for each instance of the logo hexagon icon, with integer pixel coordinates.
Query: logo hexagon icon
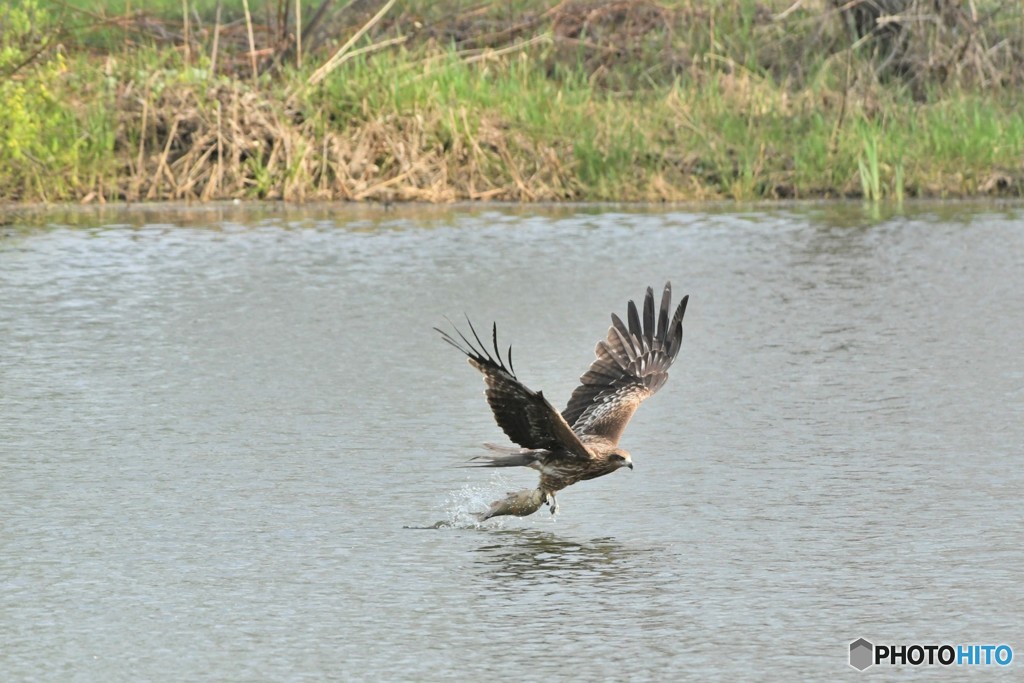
(861, 654)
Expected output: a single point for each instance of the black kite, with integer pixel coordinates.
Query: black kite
(582, 441)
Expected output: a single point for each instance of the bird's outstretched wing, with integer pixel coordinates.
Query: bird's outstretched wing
(632, 364)
(524, 415)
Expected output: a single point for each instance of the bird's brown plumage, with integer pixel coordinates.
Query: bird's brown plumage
(632, 363)
(581, 442)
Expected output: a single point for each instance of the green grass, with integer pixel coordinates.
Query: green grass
(727, 105)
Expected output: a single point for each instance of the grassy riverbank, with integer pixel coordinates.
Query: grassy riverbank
(514, 101)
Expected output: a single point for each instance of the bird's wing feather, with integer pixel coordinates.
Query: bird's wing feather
(632, 363)
(524, 415)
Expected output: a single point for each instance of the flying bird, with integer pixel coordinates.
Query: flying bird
(581, 442)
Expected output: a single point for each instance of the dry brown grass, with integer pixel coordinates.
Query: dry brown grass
(236, 142)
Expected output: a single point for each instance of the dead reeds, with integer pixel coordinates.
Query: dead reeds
(927, 42)
(234, 142)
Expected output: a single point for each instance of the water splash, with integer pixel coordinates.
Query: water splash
(463, 505)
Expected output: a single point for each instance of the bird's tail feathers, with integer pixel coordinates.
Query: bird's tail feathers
(505, 457)
(498, 448)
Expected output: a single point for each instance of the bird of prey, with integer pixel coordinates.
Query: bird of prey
(581, 442)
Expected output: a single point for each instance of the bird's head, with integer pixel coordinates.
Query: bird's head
(621, 458)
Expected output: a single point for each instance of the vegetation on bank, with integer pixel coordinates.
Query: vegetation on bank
(514, 100)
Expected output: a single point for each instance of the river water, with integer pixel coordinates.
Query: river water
(229, 444)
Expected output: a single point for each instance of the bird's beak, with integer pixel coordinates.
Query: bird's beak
(630, 465)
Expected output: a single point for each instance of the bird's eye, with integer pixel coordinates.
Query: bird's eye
(617, 457)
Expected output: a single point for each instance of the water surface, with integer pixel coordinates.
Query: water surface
(226, 436)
